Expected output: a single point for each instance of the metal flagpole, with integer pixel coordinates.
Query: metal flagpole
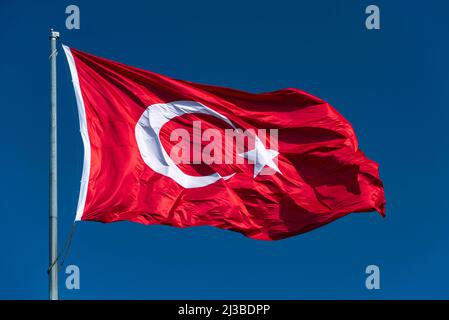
(53, 274)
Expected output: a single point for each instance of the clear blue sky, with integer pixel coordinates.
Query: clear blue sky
(392, 84)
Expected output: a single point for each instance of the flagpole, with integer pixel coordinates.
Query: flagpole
(53, 274)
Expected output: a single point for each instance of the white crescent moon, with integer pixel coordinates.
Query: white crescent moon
(154, 155)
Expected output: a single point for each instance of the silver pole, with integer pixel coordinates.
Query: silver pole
(53, 275)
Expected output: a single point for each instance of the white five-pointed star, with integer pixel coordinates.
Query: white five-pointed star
(261, 157)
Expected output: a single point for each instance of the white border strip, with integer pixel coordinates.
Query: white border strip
(84, 134)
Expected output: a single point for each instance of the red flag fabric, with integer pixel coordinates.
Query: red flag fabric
(165, 151)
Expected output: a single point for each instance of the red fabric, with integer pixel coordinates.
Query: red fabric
(324, 174)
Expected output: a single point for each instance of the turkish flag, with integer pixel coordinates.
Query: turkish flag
(165, 151)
